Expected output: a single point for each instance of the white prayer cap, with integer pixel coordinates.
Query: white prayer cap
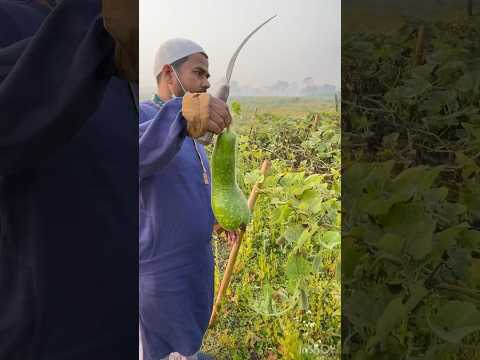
(173, 50)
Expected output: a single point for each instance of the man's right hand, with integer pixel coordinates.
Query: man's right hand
(203, 113)
(220, 116)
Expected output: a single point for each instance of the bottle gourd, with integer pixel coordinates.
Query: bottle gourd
(229, 204)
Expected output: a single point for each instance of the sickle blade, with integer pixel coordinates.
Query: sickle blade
(231, 64)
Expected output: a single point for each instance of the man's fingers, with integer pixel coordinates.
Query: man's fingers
(217, 228)
(214, 101)
(217, 121)
(220, 119)
(229, 238)
(220, 107)
(233, 237)
(213, 127)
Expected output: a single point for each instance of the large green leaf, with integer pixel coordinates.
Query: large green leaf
(394, 314)
(293, 232)
(329, 239)
(364, 307)
(411, 223)
(297, 267)
(351, 258)
(391, 243)
(455, 320)
(305, 236)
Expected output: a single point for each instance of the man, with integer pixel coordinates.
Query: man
(176, 219)
(68, 181)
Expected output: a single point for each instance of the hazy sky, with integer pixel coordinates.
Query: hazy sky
(302, 41)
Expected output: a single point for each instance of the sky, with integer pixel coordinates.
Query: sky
(302, 41)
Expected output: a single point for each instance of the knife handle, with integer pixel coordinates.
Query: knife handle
(223, 92)
(205, 139)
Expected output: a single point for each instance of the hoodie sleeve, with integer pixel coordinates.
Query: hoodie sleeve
(161, 138)
(52, 82)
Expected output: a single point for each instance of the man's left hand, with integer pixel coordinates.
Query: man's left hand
(120, 19)
(231, 236)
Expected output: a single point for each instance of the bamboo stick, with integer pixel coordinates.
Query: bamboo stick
(234, 252)
(420, 49)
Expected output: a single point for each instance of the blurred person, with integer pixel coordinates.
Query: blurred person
(68, 180)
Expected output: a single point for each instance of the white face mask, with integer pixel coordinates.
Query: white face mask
(178, 79)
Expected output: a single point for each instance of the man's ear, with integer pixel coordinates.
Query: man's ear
(167, 73)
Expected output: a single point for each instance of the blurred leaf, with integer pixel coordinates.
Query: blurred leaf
(236, 107)
(455, 320)
(411, 223)
(293, 232)
(329, 239)
(304, 300)
(296, 268)
(394, 314)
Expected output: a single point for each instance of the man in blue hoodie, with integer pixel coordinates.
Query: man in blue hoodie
(176, 218)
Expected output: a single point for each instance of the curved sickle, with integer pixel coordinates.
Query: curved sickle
(224, 90)
(231, 64)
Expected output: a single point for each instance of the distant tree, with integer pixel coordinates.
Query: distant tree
(280, 87)
(293, 89)
(313, 90)
(308, 81)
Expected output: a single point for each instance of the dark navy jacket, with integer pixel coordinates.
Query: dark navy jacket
(68, 188)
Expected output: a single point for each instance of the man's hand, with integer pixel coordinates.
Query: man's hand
(231, 236)
(203, 113)
(220, 116)
(121, 21)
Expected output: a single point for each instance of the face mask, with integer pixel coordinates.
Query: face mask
(181, 85)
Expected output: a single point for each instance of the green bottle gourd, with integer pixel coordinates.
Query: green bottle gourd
(229, 204)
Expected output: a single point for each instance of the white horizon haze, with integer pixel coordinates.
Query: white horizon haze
(302, 41)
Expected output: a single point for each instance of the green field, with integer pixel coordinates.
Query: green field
(284, 106)
(410, 175)
(276, 105)
(284, 298)
(385, 15)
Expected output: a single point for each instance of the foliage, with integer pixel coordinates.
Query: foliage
(410, 149)
(284, 299)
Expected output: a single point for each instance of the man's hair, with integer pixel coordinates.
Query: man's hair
(176, 65)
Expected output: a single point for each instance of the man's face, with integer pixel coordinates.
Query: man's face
(193, 74)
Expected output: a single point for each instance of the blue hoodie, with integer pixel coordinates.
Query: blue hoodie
(176, 223)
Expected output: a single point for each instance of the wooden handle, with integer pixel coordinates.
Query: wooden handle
(254, 193)
(234, 252)
(420, 48)
(316, 118)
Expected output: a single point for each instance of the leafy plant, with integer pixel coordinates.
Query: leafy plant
(411, 239)
(286, 286)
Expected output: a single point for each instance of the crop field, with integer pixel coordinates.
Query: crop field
(410, 162)
(284, 298)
